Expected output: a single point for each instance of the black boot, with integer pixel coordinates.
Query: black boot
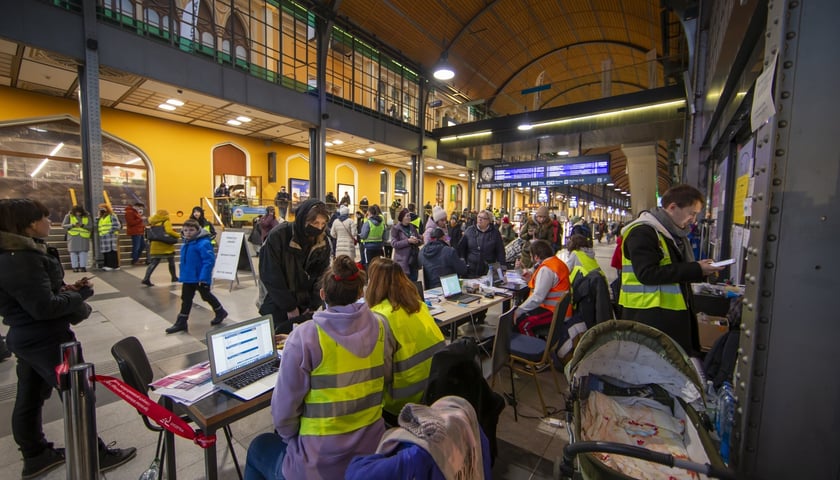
(180, 324)
(221, 315)
(147, 282)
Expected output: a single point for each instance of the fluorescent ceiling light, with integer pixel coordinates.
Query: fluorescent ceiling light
(370, 149)
(39, 130)
(610, 184)
(563, 152)
(672, 103)
(462, 174)
(410, 163)
(338, 142)
(235, 123)
(166, 106)
(57, 148)
(243, 119)
(328, 144)
(39, 167)
(175, 102)
(440, 167)
(467, 135)
(525, 127)
(360, 151)
(430, 167)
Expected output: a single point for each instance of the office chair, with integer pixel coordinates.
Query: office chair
(500, 357)
(136, 371)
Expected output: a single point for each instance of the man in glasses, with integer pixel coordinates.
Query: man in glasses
(481, 245)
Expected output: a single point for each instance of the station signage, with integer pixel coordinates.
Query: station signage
(585, 170)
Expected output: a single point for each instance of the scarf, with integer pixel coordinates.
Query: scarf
(679, 235)
(447, 430)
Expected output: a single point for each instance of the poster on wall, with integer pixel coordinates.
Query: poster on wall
(299, 189)
(350, 192)
(743, 173)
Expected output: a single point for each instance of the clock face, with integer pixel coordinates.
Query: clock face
(487, 174)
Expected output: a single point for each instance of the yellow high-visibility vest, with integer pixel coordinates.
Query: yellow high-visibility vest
(375, 232)
(635, 294)
(104, 224)
(78, 231)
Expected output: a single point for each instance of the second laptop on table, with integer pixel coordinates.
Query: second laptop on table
(243, 357)
(451, 286)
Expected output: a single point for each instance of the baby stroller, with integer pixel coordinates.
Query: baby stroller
(636, 409)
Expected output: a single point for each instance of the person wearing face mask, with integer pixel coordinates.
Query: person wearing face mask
(658, 266)
(292, 258)
(135, 226)
(109, 226)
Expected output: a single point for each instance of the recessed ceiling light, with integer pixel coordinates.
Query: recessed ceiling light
(360, 151)
(243, 119)
(525, 127)
(235, 123)
(440, 167)
(462, 174)
(617, 189)
(430, 167)
(610, 184)
(563, 152)
(328, 144)
(175, 102)
(338, 142)
(409, 163)
(166, 106)
(370, 149)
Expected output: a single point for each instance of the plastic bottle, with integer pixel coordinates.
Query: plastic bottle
(726, 413)
(153, 472)
(711, 403)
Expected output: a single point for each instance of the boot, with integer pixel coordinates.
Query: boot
(221, 315)
(147, 282)
(180, 324)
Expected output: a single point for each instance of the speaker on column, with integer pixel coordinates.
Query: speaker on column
(272, 167)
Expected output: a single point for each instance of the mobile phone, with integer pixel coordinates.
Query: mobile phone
(723, 263)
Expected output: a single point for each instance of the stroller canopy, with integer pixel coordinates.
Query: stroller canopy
(637, 354)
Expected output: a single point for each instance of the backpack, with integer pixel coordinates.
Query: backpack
(719, 364)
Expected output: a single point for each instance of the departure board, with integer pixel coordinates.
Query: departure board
(592, 169)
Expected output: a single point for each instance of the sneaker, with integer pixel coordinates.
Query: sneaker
(107, 269)
(45, 461)
(111, 458)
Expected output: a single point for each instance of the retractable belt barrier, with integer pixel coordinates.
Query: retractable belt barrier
(144, 405)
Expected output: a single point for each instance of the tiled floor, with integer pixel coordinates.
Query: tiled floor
(123, 307)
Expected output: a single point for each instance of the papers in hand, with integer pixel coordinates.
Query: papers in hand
(187, 386)
(723, 263)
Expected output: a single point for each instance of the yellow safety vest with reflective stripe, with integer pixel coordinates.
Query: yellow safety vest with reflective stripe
(78, 231)
(207, 228)
(104, 224)
(345, 391)
(635, 294)
(416, 222)
(418, 339)
(375, 232)
(585, 265)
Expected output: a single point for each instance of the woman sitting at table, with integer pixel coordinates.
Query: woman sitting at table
(392, 294)
(327, 404)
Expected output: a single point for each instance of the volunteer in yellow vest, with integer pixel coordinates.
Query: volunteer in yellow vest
(327, 405)
(79, 227)
(581, 257)
(391, 293)
(658, 265)
(549, 284)
(371, 235)
(108, 226)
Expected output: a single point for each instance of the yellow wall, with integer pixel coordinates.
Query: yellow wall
(181, 155)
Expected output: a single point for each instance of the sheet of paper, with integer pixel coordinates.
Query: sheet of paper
(762, 106)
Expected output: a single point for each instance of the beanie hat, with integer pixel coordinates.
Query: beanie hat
(438, 233)
(402, 214)
(342, 210)
(438, 213)
(542, 211)
(505, 219)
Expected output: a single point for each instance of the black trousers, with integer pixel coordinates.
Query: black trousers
(153, 263)
(110, 259)
(188, 293)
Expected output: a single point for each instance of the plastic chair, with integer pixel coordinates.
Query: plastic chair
(535, 353)
(136, 371)
(500, 357)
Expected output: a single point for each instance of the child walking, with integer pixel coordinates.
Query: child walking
(197, 259)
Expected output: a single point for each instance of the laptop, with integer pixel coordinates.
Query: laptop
(243, 357)
(452, 290)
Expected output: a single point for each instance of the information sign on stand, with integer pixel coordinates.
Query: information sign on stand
(231, 247)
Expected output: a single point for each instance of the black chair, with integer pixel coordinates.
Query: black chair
(137, 372)
(500, 357)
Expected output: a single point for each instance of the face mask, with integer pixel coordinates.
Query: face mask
(101, 212)
(312, 231)
(140, 211)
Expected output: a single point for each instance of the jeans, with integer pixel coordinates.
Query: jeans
(265, 458)
(79, 259)
(138, 243)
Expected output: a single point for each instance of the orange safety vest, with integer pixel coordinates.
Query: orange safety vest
(559, 289)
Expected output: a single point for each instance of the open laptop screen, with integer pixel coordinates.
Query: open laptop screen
(450, 285)
(240, 346)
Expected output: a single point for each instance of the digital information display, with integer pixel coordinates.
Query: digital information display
(587, 170)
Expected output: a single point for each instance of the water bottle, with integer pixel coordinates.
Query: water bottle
(726, 412)
(711, 403)
(153, 472)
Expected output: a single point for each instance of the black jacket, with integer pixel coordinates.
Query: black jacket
(480, 249)
(439, 259)
(290, 267)
(32, 302)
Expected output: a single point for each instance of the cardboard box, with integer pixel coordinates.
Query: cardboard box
(710, 328)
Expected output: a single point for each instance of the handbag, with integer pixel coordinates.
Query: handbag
(157, 233)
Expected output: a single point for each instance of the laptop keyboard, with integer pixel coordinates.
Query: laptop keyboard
(246, 378)
(463, 298)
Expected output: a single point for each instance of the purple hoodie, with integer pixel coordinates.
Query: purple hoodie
(355, 328)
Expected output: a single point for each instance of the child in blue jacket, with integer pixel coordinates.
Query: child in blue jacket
(197, 260)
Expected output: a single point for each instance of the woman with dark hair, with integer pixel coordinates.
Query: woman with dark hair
(406, 241)
(340, 358)
(292, 258)
(372, 235)
(108, 227)
(39, 308)
(392, 294)
(267, 222)
(198, 215)
(79, 228)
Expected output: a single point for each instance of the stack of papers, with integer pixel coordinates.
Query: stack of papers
(187, 386)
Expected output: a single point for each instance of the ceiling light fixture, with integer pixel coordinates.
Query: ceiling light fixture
(443, 70)
(370, 149)
(467, 135)
(234, 123)
(166, 106)
(525, 127)
(338, 142)
(243, 119)
(328, 144)
(360, 151)
(610, 184)
(175, 102)
(44, 161)
(430, 167)
(563, 152)
(462, 174)
(440, 167)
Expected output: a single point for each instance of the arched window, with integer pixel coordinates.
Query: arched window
(125, 7)
(399, 182)
(197, 23)
(440, 190)
(383, 187)
(156, 15)
(235, 33)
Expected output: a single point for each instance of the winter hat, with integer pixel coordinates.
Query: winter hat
(342, 210)
(575, 220)
(438, 213)
(438, 233)
(402, 214)
(542, 211)
(505, 219)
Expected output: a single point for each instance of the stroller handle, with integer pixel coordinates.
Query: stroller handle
(573, 449)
